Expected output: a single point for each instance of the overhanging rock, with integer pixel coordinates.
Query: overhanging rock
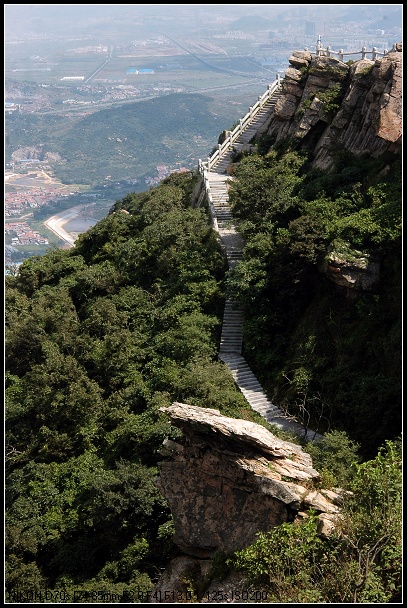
(228, 479)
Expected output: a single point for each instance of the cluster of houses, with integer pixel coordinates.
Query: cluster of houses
(163, 171)
(16, 202)
(21, 234)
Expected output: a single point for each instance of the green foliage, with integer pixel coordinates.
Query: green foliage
(264, 191)
(371, 524)
(264, 143)
(334, 457)
(285, 561)
(304, 106)
(359, 563)
(331, 98)
(98, 339)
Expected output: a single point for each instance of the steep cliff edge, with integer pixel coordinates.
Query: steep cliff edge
(326, 103)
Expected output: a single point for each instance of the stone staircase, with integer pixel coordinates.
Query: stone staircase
(232, 327)
(253, 392)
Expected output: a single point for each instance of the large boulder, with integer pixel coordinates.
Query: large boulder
(228, 479)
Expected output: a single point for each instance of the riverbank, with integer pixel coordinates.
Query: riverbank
(58, 224)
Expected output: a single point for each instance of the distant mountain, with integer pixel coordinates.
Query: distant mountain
(129, 140)
(251, 23)
(374, 16)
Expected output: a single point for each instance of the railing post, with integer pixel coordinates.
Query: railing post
(328, 51)
(374, 53)
(319, 46)
(340, 55)
(363, 52)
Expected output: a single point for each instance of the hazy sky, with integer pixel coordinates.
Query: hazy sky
(57, 18)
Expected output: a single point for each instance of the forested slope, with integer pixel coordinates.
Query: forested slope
(98, 338)
(321, 283)
(126, 142)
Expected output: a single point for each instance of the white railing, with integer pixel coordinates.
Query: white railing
(328, 52)
(204, 172)
(205, 167)
(242, 126)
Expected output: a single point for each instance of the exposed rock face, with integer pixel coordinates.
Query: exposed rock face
(350, 268)
(357, 106)
(229, 479)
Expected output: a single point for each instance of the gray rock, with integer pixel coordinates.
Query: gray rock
(231, 479)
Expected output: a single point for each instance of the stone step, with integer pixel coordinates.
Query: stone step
(232, 320)
(237, 321)
(252, 399)
(250, 382)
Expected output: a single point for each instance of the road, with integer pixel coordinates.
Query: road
(100, 67)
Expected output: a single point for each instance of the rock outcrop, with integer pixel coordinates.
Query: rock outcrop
(350, 268)
(229, 479)
(357, 106)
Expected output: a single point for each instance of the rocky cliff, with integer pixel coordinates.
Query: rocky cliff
(327, 104)
(228, 479)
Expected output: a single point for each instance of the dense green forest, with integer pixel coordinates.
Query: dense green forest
(99, 337)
